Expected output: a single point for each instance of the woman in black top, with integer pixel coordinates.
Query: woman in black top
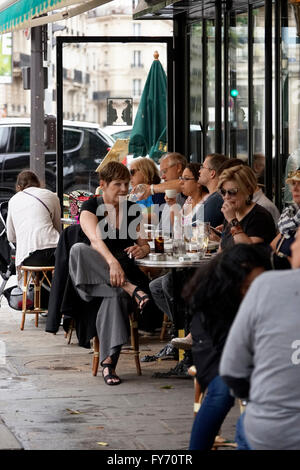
(245, 221)
(106, 269)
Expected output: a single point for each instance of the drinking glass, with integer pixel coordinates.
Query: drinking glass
(159, 242)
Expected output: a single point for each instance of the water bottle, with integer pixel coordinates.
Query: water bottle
(178, 238)
(138, 193)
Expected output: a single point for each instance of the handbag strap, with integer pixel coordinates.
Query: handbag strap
(29, 194)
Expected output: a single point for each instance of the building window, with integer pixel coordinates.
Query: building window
(136, 29)
(137, 87)
(137, 59)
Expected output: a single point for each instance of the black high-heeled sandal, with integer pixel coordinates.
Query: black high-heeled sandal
(110, 375)
(140, 298)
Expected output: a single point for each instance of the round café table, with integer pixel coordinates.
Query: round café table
(174, 265)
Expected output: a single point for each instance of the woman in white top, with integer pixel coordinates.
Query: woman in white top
(196, 195)
(33, 222)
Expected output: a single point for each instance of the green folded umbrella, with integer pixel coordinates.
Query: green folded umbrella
(148, 135)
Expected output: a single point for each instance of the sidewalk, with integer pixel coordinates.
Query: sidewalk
(50, 400)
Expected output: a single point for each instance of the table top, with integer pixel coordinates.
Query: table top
(171, 262)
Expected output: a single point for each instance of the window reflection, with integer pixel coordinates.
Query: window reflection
(238, 86)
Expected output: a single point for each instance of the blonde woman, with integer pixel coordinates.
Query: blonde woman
(245, 221)
(144, 171)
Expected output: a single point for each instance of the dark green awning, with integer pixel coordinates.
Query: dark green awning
(21, 14)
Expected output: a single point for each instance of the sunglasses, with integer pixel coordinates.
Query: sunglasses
(133, 172)
(230, 192)
(182, 178)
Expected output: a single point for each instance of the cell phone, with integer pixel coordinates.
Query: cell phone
(216, 231)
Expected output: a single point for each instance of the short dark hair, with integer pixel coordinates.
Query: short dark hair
(114, 171)
(229, 163)
(216, 160)
(27, 179)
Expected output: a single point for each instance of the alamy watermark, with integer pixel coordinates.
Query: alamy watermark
(135, 228)
(295, 358)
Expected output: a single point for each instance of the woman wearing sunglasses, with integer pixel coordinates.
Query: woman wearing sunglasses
(245, 221)
(144, 171)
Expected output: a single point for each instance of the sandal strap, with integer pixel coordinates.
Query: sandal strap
(138, 296)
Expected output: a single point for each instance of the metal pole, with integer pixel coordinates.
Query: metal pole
(218, 77)
(37, 147)
(59, 122)
(268, 97)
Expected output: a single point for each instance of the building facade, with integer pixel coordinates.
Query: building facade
(93, 73)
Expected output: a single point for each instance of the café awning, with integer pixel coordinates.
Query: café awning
(22, 14)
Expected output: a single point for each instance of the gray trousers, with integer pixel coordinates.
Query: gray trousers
(90, 275)
(161, 289)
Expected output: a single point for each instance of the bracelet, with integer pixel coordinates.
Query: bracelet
(152, 189)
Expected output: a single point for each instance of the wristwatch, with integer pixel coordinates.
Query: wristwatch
(152, 189)
(234, 222)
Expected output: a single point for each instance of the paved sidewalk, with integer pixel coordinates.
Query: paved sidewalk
(50, 400)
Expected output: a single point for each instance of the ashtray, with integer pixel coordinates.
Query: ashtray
(157, 256)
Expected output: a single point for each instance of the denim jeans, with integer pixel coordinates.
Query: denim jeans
(240, 436)
(211, 415)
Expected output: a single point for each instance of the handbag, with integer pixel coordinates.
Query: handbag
(14, 296)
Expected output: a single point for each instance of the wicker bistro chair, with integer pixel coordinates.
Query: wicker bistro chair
(134, 346)
(36, 275)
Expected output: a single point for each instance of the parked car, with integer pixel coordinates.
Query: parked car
(118, 132)
(85, 145)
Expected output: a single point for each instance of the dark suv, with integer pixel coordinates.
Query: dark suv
(85, 145)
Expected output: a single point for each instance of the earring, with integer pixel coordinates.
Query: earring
(248, 200)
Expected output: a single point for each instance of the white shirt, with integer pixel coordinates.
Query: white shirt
(260, 198)
(29, 223)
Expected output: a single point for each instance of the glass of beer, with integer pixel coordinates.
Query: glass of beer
(159, 242)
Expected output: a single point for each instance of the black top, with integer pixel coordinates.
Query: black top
(257, 223)
(115, 239)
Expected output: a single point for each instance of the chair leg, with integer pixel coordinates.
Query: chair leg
(135, 342)
(37, 296)
(24, 303)
(166, 322)
(96, 355)
(70, 331)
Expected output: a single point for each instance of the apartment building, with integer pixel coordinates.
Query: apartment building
(93, 73)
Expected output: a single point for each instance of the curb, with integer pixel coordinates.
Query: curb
(7, 440)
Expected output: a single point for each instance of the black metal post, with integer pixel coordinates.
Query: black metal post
(59, 121)
(204, 89)
(250, 85)
(268, 98)
(37, 146)
(226, 85)
(278, 174)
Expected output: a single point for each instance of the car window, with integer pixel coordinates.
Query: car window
(122, 134)
(71, 139)
(21, 139)
(4, 132)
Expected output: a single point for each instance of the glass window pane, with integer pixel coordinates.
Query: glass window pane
(238, 86)
(210, 87)
(259, 92)
(195, 92)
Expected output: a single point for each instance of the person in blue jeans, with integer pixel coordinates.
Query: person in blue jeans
(216, 291)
